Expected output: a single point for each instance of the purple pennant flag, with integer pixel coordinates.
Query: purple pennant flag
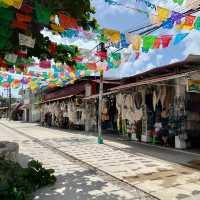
(176, 17)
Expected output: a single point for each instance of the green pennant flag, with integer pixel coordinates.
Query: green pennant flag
(3, 42)
(87, 73)
(180, 2)
(197, 24)
(116, 56)
(43, 14)
(80, 66)
(148, 42)
(6, 14)
(5, 31)
(71, 49)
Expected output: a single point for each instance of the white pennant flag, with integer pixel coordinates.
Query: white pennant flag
(11, 58)
(27, 41)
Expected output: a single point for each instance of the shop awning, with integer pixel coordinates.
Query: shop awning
(56, 99)
(152, 81)
(140, 83)
(95, 96)
(65, 93)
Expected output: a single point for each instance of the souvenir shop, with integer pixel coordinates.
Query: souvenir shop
(68, 113)
(162, 113)
(109, 114)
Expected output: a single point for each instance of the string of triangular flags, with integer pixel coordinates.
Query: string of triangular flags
(168, 18)
(59, 74)
(190, 4)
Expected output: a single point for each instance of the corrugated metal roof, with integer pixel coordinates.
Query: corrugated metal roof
(65, 92)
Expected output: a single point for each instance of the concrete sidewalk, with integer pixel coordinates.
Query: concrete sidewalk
(163, 179)
(74, 181)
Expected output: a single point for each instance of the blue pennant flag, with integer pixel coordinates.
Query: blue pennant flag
(179, 37)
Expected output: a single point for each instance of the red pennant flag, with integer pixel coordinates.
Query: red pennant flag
(92, 66)
(21, 21)
(70, 69)
(22, 54)
(68, 22)
(26, 9)
(189, 21)
(23, 18)
(3, 63)
(53, 48)
(166, 40)
(157, 43)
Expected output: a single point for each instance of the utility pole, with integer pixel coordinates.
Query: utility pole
(103, 56)
(100, 137)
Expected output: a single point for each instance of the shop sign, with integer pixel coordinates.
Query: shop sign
(193, 86)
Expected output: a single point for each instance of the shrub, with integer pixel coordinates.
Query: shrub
(18, 183)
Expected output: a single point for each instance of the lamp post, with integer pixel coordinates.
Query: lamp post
(100, 136)
(102, 53)
(10, 103)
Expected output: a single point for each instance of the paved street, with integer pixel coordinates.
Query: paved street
(87, 170)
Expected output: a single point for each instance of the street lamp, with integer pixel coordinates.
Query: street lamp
(102, 53)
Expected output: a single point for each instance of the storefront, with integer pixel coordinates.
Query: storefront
(67, 112)
(64, 107)
(156, 106)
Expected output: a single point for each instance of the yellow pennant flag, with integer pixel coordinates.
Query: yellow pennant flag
(163, 13)
(33, 86)
(57, 28)
(155, 19)
(15, 3)
(136, 42)
(113, 35)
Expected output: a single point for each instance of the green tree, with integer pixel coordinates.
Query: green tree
(78, 9)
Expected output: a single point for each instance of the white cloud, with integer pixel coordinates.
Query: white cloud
(192, 44)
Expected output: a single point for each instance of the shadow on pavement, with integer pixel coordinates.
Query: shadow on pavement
(78, 186)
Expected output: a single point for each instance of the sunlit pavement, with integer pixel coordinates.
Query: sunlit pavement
(160, 178)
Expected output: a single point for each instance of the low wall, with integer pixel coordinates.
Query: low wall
(9, 150)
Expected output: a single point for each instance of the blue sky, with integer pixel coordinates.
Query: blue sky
(123, 19)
